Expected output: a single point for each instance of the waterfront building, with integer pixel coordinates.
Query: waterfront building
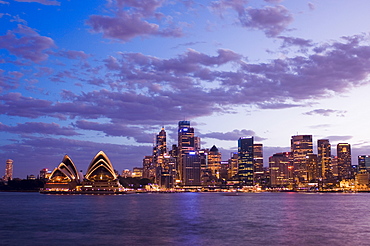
(65, 177)
(245, 160)
(126, 173)
(137, 172)
(191, 169)
(324, 159)
(100, 176)
(280, 165)
(363, 163)
(148, 167)
(45, 174)
(8, 170)
(301, 146)
(312, 168)
(159, 152)
(214, 161)
(344, 161)
(186, 143)
(257, 162)
(233, 165)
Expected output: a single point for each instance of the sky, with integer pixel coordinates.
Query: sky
(77, 77)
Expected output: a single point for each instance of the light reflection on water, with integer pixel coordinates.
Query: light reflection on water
(185, 219)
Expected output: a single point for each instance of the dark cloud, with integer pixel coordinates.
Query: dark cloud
(39, 128)
(311, 6)
(24, 42)
(129, 21)
(44, 2)
(326, 112)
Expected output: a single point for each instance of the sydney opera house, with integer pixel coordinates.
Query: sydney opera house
(100, 178)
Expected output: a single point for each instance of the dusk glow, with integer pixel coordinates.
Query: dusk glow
(78, 77)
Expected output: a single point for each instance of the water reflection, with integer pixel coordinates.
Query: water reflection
(185, 219)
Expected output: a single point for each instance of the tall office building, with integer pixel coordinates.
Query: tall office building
(301, 145)
(245, 160)
(363, 163)
(258, 172)
(233, 165)
(186, 143)
(214, 161)
(8, 170)
(159, 151)
(324, 159)
(191, 163)
(280, 165)
(312, 168)
(344, 161)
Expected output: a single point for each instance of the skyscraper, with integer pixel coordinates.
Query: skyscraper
(324, 159)
(159, 151)
(301, 145)
(245, 160)
(363, 163)
(191, 169)
(8, 170)
(344, 161)
(312, 168)
(279, 165)
(186, 144)
(214, 161)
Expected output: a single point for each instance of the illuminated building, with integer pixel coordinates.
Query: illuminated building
(167, 172)
(233, 166)
(280, 169)
(137, 172)
(159, 151)
(100, 178)
(8, 170)
(324, 159)
(126, 173)
(148, 167)
(65, 177)
(186, 143)
(45, 174)
(258, 162)
(214, 161)
(191, 169)
(363, 163)
(344, 161)
(301, 146)
(245, 160)
(312, 168)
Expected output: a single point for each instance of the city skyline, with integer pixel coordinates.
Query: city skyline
(76, 78)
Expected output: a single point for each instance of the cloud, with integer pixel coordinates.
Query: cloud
(231, 136)
(129, 21)
(39, 128)
(292, 41)
(311, 6)
(73, 54)
(44, 2)
(326, 112)
(271, 20)
(117, 130)
(26, 43)
(338, 138)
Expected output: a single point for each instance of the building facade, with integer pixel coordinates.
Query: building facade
(245, 161)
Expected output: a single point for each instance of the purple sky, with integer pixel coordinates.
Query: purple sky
(77, 77)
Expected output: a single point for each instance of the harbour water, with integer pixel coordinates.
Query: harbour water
(185, 219)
